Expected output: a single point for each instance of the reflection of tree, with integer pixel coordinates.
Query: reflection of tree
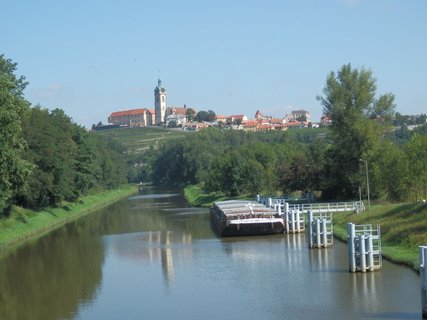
(48, 279)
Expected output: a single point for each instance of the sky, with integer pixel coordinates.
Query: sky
(91, 58)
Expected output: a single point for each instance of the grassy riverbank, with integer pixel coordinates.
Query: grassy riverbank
(198, 198)
(403, 229)
(24, 224)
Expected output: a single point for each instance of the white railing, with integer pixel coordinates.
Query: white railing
(353, 206)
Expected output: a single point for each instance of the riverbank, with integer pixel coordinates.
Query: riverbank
(25, 224)
(198, 198)
(403, 226)
(403, 229)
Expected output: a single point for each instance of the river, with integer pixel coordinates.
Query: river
(153, 257)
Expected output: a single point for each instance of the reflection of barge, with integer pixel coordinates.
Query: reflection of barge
(244, 218)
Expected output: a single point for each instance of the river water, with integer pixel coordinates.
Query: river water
(153, 257)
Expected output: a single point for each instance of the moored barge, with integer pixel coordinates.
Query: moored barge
(244, 218)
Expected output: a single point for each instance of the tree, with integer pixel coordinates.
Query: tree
(390, 170)
(189, 113)
(13, 107)
(358, 119)
(416, 151)
(208, 116)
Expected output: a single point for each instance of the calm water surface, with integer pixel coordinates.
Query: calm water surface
(153, 257)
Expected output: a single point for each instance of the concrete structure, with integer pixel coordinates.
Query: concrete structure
(294, 221)
(320, 231)
(160, 103)
(364, 247)
(132, 118)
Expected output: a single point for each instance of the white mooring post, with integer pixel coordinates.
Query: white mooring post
(364, 247)
(320, 232)
(310, 229)
(351, 250)
(362, 252)
(423, 279)
(294, 222)
(258, 198)
(270, 202)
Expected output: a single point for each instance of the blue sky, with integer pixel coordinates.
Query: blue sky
(91, 58)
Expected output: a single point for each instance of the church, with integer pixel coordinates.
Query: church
(143, 117)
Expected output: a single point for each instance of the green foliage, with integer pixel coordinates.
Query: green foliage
(189, 113)
(390, 175)
(232, 162)
(14, 170)
(358, 120)
(416, 152)
(68, 160)
(208, 116)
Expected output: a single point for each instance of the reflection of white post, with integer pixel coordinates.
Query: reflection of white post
(423, 278)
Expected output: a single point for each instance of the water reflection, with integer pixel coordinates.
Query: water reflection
(152, 257)
(47, 279)
(319, 259)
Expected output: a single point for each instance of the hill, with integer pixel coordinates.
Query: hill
(139, 139)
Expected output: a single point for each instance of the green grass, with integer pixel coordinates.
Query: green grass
(403, 229)
(138, 139)
(24, 224)
(197, 197)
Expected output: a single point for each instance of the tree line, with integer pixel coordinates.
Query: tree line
(331, 162)
(45, 158)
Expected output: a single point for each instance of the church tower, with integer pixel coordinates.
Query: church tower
(160, 102)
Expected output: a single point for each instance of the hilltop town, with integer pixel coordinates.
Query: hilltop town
(188, 118)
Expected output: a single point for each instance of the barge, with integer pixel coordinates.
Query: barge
(245, 218)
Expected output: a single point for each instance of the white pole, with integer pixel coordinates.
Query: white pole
(310, 229)
(350, 241)
(423, 279)
(370, 253)
(362, 253)
(318, 242)
(325, 244)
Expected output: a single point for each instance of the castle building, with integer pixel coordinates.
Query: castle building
(132, 118)
(160, 102)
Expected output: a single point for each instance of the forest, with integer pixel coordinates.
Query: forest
(46, 158)
(362, 146)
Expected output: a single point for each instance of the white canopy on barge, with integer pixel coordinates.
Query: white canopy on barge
(243, 218)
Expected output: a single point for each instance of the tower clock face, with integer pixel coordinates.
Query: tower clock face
(163, 89)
